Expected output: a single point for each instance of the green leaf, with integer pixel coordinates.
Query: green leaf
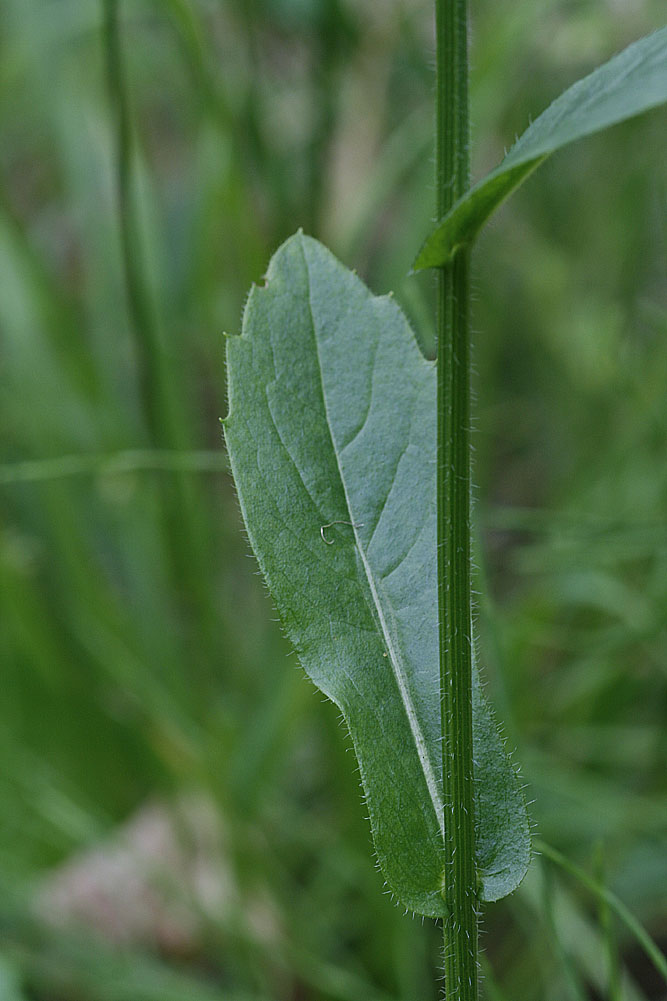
(631, 82)
(331, 436)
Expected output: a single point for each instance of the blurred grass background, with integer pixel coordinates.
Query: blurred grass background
(180, 815)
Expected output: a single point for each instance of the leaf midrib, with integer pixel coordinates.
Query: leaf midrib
(394, 656)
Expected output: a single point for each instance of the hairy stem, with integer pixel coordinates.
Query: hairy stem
(454, 588)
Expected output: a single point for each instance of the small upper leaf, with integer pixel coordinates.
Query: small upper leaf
(331, 437)
(631, 82)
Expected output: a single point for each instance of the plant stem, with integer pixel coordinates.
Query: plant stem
(142, 317)
(453, 471)
(164, 414)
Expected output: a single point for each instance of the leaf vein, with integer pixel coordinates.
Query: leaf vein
(392, 648)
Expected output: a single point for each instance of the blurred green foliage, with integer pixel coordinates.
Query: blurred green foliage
(141, 663)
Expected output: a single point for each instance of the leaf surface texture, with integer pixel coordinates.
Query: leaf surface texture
(332, 437)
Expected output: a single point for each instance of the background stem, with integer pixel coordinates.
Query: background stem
(162, 411)
(141, 313)
(454, 589)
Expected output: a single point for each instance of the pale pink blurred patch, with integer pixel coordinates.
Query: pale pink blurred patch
(159, 880)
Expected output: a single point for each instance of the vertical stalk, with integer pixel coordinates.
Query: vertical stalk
(144, 327)
(163, 413)
(453, 491)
